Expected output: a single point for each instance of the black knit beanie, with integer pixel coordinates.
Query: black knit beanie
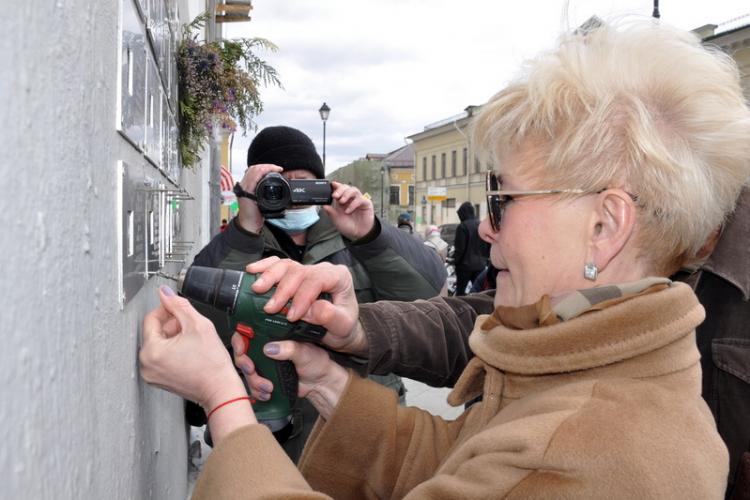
(286, 147)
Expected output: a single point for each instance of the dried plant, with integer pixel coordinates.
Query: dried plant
(218, 86)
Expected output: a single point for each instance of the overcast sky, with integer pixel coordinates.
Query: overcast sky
(387, 68)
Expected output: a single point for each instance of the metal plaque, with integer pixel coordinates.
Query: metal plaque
(131, 81)
(154, 203)
(143, 8)
(164, 134)
(153, 113)
(174, 152)
(131, 227)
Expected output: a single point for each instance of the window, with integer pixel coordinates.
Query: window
(442, 165)
(434, 171)
(411, 196)
(395, 198)
(477, 212)
(424, 168)
(477, 166)
(466, 162)
(453, 163)
(449, 203)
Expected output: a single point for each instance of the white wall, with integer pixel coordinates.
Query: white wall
(78, 422)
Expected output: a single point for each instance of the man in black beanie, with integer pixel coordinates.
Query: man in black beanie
(385, 263)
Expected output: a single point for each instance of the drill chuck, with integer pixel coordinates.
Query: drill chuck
(218, 288)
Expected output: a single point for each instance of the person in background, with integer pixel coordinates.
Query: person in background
(223, 225)
(404, 223)
(469, 249)
(434, 241)
(587, 368)
(722, 284)
(384, 263)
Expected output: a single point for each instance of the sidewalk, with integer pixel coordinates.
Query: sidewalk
(417, 394)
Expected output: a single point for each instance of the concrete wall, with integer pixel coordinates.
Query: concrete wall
(77, 420)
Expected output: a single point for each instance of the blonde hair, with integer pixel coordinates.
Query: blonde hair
(639, 106)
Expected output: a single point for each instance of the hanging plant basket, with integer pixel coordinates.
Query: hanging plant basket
(218, 86)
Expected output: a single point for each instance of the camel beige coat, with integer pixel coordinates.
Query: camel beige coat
(605, 405)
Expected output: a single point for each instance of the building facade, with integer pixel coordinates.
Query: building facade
(733, 37)
(446, 171)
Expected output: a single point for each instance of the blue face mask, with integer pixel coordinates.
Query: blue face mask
(297, 221)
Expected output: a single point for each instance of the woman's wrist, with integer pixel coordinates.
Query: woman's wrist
(326, 395)
(228, 408)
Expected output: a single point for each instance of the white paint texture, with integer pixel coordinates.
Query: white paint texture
(78, 422)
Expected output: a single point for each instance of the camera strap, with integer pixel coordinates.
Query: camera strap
(241, 193)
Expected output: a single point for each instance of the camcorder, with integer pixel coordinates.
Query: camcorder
(274, 194)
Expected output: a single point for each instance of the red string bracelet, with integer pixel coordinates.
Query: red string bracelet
(226, 403)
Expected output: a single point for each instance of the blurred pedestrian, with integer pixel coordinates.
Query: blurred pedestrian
(404, 223)
(434, 241)
(469, 248)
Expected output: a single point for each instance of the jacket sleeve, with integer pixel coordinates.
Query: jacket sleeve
(425, 340)
(404, 445)
(233, 248)
(249, 463)
(399, 266)
(461, 243)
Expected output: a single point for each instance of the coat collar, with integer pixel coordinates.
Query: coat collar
(624, 333)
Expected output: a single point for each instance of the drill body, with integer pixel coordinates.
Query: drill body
(229, 291)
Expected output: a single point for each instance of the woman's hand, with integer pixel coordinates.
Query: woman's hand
(182, 354)
(321, 380)
(303, 285)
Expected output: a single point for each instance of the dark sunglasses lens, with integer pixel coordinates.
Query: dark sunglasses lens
(493, 184)
(494, 209)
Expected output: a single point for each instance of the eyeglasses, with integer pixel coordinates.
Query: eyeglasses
(497, 199)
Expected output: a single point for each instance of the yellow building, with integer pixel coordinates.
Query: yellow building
(446, 172)
(733, 37)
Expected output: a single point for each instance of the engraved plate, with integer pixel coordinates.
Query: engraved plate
(153, 114)
(164, 134)
(174, 152)
(153, 229)
(143, 8)
(131, 203)
(131, 80)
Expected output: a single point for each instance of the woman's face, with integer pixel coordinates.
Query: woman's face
(540, 247)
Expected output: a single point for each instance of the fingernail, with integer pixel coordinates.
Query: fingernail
(167, 291)
(246, 368)
(291, 313)
(263, 396)
(271, 303)
(266, 388)
(271, 348)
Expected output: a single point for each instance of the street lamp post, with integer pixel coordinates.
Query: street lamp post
(382, 191)
(324, 112)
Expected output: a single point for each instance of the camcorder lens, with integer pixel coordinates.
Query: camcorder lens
(273, 193)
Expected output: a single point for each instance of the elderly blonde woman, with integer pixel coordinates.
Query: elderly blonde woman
(616, 156)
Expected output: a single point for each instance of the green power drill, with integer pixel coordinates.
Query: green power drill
(229, 291)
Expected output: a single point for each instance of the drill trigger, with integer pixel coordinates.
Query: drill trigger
(247, 334)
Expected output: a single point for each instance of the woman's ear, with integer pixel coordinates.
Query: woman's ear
(612, 226)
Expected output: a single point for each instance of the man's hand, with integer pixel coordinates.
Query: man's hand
(352, 212)
(249, 217)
